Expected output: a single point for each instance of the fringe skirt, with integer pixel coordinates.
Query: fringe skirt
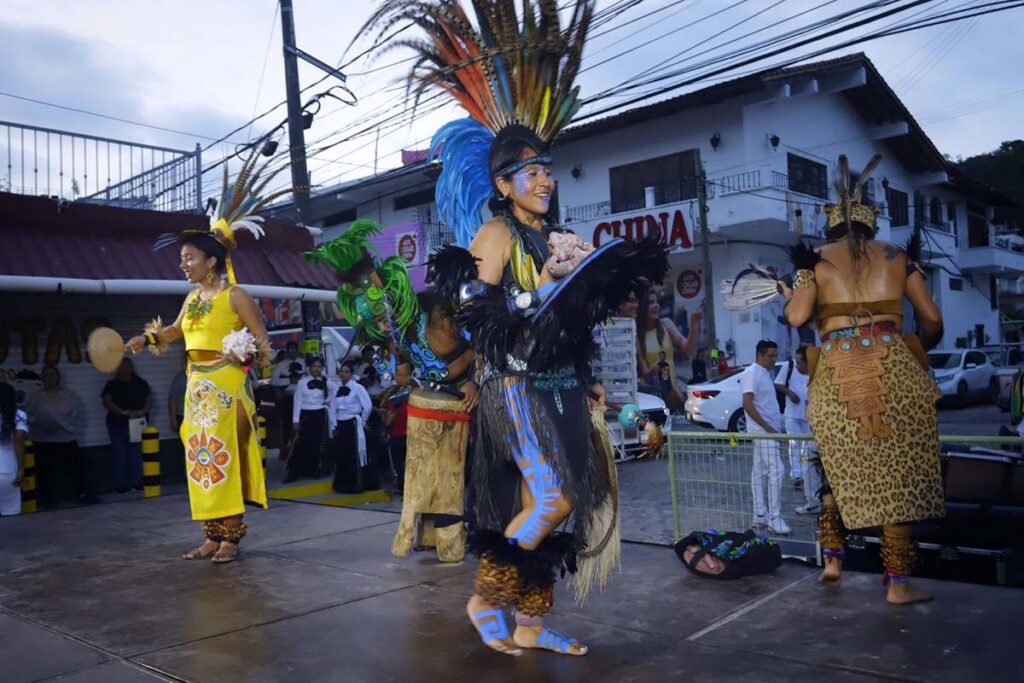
(871, 407)
(224, 468)
(550, 413)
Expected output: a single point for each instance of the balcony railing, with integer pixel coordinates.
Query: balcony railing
(437, 234)
(87, 168)
(748, 181)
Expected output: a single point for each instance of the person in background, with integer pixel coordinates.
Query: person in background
(699, 367)
(126, 397)
(13, 432)
(395, 404)
(54, 415)
(794, 387)
(761, 406)
(176, 397)
(364, 364)
(656, 335)
(284, 380)
(350, 409)
(309, 424)
(665, 376)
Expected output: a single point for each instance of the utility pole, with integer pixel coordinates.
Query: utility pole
(705, 249)
(296, 136)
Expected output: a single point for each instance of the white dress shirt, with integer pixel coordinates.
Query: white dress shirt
(798, 385)
(356, 405)
(309, 399)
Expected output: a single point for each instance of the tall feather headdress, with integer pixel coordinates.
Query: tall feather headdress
(849, 209)
(510, 68)
(240, 201)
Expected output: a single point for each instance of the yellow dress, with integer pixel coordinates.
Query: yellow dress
(222, 473)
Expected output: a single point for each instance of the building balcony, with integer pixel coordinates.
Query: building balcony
(994, 260)
(74, 167)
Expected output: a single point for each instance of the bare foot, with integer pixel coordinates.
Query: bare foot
(489, 622)
(202, 552)
(906, 594)
(543, 638)
(831, 575)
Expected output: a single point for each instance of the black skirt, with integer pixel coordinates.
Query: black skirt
(308, 452)
(349, 476)
(558, 421)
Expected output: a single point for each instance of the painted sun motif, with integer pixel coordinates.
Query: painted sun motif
(207, 460)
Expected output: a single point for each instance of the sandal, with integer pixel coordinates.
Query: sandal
(228, 552)
(202, 552)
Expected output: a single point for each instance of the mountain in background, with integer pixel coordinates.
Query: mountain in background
(1003, 169)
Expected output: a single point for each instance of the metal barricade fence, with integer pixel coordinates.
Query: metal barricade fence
(711, 475)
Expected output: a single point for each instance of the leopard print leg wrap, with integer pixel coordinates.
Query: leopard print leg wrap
(536, 601)
(234, 533)
(497, 582)
(899, 553)
(831, 533)
(214, 530)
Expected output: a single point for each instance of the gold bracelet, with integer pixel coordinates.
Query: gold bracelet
(803, 279)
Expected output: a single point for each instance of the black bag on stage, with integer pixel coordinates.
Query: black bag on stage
(739, 553)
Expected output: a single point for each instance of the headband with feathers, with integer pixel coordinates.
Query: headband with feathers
(849, 209)
(511, 68)
(236, 210)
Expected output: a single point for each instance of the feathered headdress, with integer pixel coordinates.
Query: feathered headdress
(372, 291)
(849, 210)
(506, 70)
(236, 209)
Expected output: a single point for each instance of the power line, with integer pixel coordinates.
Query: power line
(109, 117)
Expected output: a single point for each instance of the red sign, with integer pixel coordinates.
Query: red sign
(407, 248)
(671, 227)
(688, 284)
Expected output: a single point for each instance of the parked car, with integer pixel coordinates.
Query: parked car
(962, 375)
(718, 403)
(633, 442)
(1008, 359)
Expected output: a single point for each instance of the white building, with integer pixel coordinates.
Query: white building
(767, 144)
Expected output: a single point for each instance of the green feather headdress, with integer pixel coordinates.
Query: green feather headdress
(372, 290)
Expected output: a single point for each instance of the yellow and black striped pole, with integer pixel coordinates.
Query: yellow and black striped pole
(28, 482)
(261, 434)
(151, 462)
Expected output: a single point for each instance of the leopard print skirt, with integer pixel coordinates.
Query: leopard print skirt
(871, 407)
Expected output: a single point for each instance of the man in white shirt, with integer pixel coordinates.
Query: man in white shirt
(761, 405)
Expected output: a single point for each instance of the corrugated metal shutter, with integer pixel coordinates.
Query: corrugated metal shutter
(127, 314)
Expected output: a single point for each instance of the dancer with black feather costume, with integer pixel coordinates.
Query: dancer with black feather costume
(531, 295)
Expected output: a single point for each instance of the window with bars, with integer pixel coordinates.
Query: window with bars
(806, 176)
(672, 177)
(935, 211)
(899, 207)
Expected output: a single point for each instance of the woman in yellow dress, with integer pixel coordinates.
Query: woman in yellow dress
(224, 335)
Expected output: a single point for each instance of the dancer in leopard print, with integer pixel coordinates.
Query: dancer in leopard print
(871, 403)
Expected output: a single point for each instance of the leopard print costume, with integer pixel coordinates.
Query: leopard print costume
(872, 410)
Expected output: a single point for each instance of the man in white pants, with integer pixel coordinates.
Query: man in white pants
(761, 405)
(804, 474)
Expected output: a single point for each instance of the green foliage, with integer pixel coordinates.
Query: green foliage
(1003, 169)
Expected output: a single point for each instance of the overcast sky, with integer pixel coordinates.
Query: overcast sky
(198, 66)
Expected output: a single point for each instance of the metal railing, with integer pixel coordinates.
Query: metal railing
(587, 212)
(88, 168)
(711, 473)
(437, 235)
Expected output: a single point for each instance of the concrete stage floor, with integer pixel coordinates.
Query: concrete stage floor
(99, 594)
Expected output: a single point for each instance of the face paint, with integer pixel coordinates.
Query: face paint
(522, 181)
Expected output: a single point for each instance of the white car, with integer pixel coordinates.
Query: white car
(718, 403)
(631, 442)
(964, 374)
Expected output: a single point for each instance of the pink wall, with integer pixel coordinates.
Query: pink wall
(411, 237)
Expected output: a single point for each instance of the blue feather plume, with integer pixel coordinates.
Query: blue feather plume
(464, 186)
